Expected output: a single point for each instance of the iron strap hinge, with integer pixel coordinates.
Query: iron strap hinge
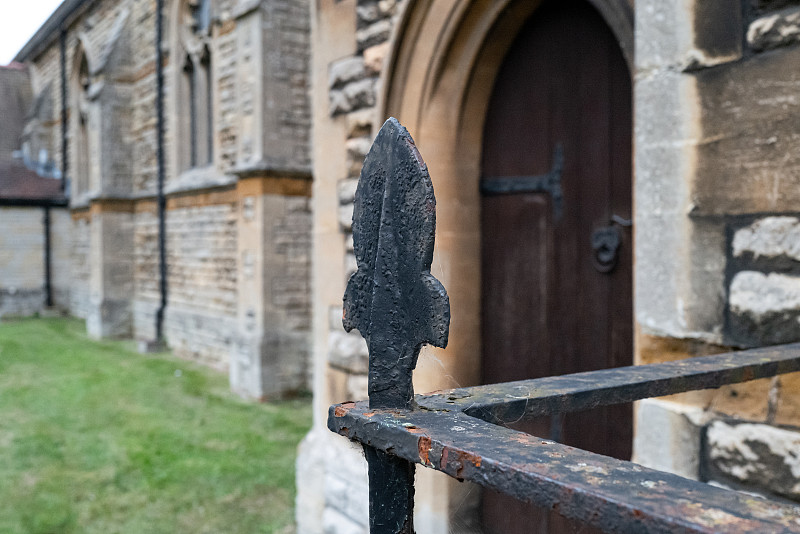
(543, 183)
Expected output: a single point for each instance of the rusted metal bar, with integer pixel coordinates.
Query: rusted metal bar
(397, 305)
(613, 495)
(394, 301)
(511, 401)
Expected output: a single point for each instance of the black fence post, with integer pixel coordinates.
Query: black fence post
(394, 301)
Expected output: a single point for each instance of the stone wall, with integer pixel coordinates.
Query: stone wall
(202, 315)
(715, 120)
(351, 40)
(61, 264)
(143, 101)
(717, 176)
(79, 265)
(22, 256)
(202, 272)
(21, 261)
(201, 310)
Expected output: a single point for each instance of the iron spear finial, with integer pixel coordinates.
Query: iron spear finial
(393, 299)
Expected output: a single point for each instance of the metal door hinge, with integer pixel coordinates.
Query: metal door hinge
(543, 183)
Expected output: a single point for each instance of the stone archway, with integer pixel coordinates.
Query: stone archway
(438, 80)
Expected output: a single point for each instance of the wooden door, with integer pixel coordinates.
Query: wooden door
(556, 292)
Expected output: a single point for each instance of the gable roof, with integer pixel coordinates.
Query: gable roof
(21, 185)
(49, 31)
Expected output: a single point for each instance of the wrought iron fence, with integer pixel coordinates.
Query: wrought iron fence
(397, 305)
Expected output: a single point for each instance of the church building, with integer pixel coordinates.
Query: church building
(210, 151)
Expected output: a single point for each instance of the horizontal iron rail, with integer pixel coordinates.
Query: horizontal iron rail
(398, 305)
(613, 495)
(457, 432)
(511, 401)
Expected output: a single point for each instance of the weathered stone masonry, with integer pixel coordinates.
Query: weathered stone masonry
(261, 122)
(717, 173)
(716, 115)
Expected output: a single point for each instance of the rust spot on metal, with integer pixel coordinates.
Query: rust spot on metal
(443, 461)
(465, 457)
(424, 446)
(748, 374)
(342, 409)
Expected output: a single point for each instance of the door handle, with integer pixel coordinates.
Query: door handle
(605, 245)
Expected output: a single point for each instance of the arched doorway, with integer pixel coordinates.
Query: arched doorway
(556, 260)
(439, 78)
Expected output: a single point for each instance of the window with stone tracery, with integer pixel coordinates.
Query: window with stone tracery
(80, 128)
(195, 86)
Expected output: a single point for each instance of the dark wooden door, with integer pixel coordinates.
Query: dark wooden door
(553, 301)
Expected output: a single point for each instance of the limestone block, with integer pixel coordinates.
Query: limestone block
(353, 96)
(757, 456)
(668, 437)
(346, 488)
(357, 387)
(717, 33)
(764, 308)
(357, 148)
(310, 469)
(346, 190)
(747, 159)
(359, 123)
(373, 34)
(661, 33)
(774, 30)
(201, 333)
(367, 13)
(687, 35)
(748, 400)
(666, 110)
(338, 103)
(346, 217)
(374, 57)
(788, 406)
(21, 249)
(335, 523)
(109, 318)
(345, 70)
(361, 93)
(348, 351)
(705, 301)
(335, 318)
(770, 237)
(660, 274)
(338, 497)
(144, 318)
(20, 302)
(387, 7)
(350, 265)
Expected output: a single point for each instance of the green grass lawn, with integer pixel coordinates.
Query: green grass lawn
(96, 438)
